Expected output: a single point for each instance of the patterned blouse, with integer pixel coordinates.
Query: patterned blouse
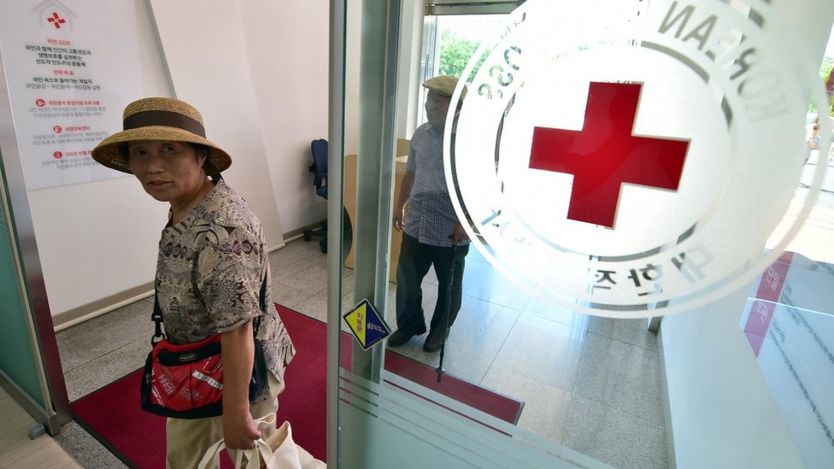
(209, 273)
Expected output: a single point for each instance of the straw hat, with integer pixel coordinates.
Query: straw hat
(160, 119)
(443, 84)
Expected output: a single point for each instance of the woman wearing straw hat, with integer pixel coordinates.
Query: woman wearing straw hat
(211, 268)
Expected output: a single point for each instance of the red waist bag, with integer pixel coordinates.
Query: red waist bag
(186, 379)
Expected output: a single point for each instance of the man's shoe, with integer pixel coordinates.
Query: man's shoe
(400, 337)
(434, 341)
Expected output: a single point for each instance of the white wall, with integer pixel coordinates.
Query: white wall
(408, 71)
(100, 239)
(722, 412)
(289, 65)
(205, 50)
(353, 50)
(408, 68)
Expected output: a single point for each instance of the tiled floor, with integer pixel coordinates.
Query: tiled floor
(590, 384)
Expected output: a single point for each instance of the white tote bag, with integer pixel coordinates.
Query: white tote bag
(278, 451)
(287, 454)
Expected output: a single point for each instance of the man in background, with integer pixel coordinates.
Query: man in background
(432, 236)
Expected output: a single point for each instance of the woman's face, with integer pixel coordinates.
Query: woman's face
(169, 171)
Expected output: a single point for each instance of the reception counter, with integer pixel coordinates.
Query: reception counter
(350, 203)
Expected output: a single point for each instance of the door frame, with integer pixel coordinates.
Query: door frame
(55, 412)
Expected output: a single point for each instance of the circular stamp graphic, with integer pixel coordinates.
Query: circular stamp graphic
(632, 161)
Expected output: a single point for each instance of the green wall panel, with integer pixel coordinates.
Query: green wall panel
(17, 357)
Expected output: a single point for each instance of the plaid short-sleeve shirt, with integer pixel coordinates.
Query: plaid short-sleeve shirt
(431, 216)
(209, 273)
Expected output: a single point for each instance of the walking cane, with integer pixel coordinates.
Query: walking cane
(448, 310)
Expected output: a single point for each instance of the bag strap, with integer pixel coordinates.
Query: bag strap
(256, 323)
(156, 315)
(253, 456)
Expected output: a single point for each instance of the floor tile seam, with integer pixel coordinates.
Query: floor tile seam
(309, 254)
(659, 426)
(93, 326)
(500, 348)
(296, 292)
(295, 305)
(610, 364)
(580, 364)
(464, 354)
(67, 452)
(622, 383)
(291, 271)
(545, 383)
(299, 283)
(286, 251)
(527, 301)
(106, 321)
(68, 370)
(622, 409)
(314, 296)
(111, 352)
(309, 291)
(473, 356)
(557, 321)
(293, 256)
(309, 296)
(488, 300)
(324, 289)
(622, 341)
(83, 450)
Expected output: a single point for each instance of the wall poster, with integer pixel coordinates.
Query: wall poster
(71, 67)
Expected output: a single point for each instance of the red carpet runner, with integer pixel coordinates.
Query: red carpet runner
(113, 416)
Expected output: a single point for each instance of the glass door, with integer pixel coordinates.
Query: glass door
(552, 351)
(396, 405)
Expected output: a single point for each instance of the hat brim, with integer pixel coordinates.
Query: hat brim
(107, 152)
(439, 90)
(446, 92)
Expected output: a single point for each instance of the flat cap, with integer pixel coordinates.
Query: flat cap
(443, 84)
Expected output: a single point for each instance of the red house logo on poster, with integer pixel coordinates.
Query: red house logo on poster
(54, 15)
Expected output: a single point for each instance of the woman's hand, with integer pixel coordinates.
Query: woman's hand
(239, 430)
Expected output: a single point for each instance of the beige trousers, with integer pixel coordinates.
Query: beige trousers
(188, 440)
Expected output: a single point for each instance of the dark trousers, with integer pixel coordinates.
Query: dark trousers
(414, 263)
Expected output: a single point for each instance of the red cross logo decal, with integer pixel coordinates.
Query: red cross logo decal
(56, 20)
(604, 154)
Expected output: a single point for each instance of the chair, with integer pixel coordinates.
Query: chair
(319, 170)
